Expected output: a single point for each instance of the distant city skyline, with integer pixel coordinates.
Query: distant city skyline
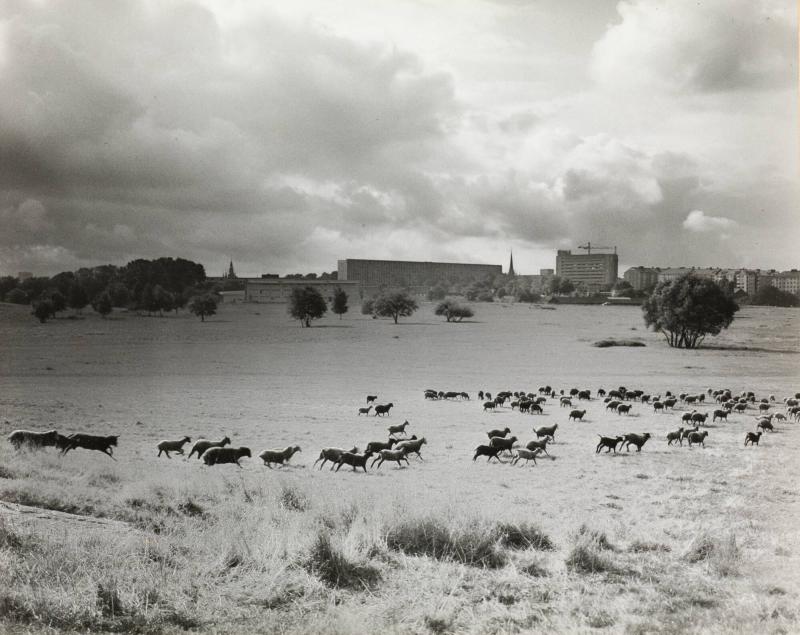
(286, 136)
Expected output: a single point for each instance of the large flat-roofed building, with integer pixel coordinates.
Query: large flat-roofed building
(279, 290)
(372, 275)
(594, 271)
(641, 277)
(788, 281)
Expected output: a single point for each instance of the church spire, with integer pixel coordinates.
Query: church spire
(511, 266)
(231, 273)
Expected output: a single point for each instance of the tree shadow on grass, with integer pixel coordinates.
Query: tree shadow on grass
(333, 326)
(747, 349)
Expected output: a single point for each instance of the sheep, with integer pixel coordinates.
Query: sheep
(720, 414)
(636, 439)
(658, 406)
(687, 416)
(549, 431)
(565, 402)
(488, 450)
(698, 437)
(203, 445)
(33, 439)
(332, 455)
(534, 407)
(480, 395)
(584, 394)
(524, 453)
(219, 455)
(503, 443)
(675, 436)
(412, 446)
(780, 417)
(279, 456)
(377, 446)
(613, 405)
(393, 430)
(577, 415)
(740, 407)
(102, 444)
(609, 443)
(383, 410)
(371, 398)
(354, 459)
(539, 445)
(397, 456)
(670, 403)
(752, 438)
(623, 409)
(489, 405)
(172, 446)
(763, 407)
(498, 433)
(364, 411)
(765, 425)
(699, 417)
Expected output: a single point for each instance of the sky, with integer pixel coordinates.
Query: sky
(287, 135)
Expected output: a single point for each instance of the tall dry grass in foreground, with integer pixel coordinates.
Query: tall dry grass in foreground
(229, 554)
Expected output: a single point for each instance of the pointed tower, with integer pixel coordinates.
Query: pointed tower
(231, 272)
(511, 271)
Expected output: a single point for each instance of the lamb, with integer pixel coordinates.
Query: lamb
(391, 455)
(412, 446)
(377, 446)
(364, 411)
(539, 445)
(92, 442)
(393, 430)
(383, 410)
(356, 460)
(524, 453)
(675, 436)
(636, 439)
(219, 455)
(549, 431)
(203, 445)
(332, 455)
(488, 450)
(172, 446)
(503, 443)
(33, 439)
(752, 438)
(498, 433)
(577, 415)
(609, 443)
(698, 437)
(278, 456)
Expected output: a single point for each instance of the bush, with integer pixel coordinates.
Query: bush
(394, 304)
(453, 311)
(17, 296)
(203, 305)
(43, 310)
(523, 536)
(586, 554)
(335, 569)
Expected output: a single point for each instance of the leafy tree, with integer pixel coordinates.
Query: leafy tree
(7, 283)
(17, 296)
(58, 301)
(501, 293)
(453, 311)
(163, 300)
(118, 293)
(77, 298)
(43, 309)
(368, 307)
(687, 309)
(203, 305)
(566, 287)
(339, 302)
(103, 304)
(526, 295)
(307, 304)
(437, 292)
(772, 296)
(395, 304)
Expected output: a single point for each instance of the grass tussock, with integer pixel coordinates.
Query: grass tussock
(642, 546)
(589, 553)
(523, 536)
(291, 498)
(336, 569)
(7, 473)
(471, 545)
(722, 553)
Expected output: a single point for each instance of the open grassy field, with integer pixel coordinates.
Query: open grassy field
(671, 539)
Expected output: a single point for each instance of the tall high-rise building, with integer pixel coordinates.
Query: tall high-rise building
(595, 271)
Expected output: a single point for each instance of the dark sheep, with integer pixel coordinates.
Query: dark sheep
(104, 444)
(752, 438)
(371, 398)
(393, 430)
(547, 431)
(539, 445)
(765, 425)
(383, 409)
(698, 437)
(609, 443)
(353, 459)
(623, 409)
(332, 455)
(675, 436)
(698, 417)
(489, 405)
(219, 455)
(503, 443)
(488, 450)
(577, 415)
(203, 445)
(377, 446)
(498, 433)
(364, 411)
(636, 439)
(412, 446)
(278, 456)
(720, 414)
(172, 446)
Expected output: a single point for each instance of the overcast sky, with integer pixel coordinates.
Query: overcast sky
(287, 135)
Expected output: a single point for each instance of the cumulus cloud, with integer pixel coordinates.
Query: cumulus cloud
(698, 221)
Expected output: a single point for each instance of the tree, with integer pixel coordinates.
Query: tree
(526, 295)
(368, 307)
(203, 305)
(566, 287)
(7, 284)
(43, 309)
(437, 292)
(307, 304)
(17, 296)
(339, 302)
(687, 309)
(772, 296)
(77, 297)
(102, 304)
(57, 300)
(395, 304)
(453, 311)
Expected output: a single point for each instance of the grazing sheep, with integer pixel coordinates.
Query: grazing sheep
(763, 407)
(698, 437)
(534, 407)
(740, 407)
(353, 459)
(566, 402)
(675, 436)
(203, 445)
(498, 433)
(613, 405)
(220, 455)
(577, 415)
(92, 442)
(364, 411)
(393, 430)
(489, 405)
(332, 455)
(528, 455)
(172, 446)
(539, 445)
(412, 446)
(780, 417)
(584, 394)
(33, 439)
(687, 416)
(658, 406)
(278, 456)
(752, 438)
(601, 392)
(609, 443)
(525, 406)
(377, 446)
(670, 403)
(720, 414)
(548, 431)
(635, 439)
(383, 409)
(698, 417)
(503, 443)
(397, 456)
(623, 409)
(371, 398)
(765, 425)
(488, 450)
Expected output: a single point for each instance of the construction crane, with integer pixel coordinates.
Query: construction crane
(588, 247)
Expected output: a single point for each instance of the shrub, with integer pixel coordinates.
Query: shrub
(453, 311)
(523, 536)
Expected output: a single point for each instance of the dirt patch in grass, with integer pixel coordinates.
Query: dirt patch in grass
(609, 342)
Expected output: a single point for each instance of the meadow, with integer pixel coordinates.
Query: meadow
(669, 539)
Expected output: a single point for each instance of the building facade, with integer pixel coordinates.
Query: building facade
(788, 281)
(594, 271)
(373, 275)
(279, 291)
(641, 277)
